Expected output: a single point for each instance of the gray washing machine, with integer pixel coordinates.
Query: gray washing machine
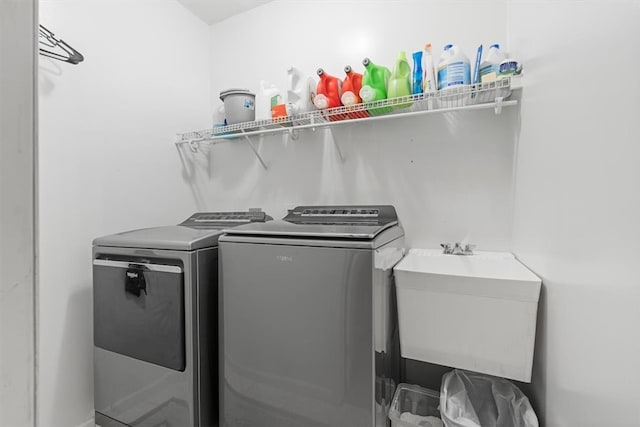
(155, 313)
(307, 318)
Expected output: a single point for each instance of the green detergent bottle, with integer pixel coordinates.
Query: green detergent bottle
(374, 85)
(400, 81)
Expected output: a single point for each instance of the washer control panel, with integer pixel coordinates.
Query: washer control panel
(339, 215)
(224, 219)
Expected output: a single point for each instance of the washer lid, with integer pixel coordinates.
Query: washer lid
(200, 230)
(340, 222)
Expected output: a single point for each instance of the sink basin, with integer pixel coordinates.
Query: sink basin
(475, 312)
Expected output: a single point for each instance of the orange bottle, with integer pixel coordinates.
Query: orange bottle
(351, 92)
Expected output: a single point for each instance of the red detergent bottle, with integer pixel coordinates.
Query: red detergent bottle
(328, 92)
(351, 92)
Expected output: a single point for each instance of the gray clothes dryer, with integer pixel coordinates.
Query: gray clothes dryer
(307, 319)
(155, 317)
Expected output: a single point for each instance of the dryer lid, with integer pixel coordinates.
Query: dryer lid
(339, 222)
(200, 230)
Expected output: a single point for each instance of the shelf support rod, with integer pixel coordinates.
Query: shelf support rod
(185, 163)
(246, 138)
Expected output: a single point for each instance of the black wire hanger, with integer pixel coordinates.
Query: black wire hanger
(47, 38)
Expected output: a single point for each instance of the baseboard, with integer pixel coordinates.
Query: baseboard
(91, 422)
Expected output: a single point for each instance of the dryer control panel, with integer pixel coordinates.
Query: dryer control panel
(224, 219)
(343, 215)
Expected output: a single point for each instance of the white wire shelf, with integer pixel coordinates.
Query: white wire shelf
(479, 96)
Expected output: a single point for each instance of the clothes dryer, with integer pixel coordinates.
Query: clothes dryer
(307, 318)
(155, 317)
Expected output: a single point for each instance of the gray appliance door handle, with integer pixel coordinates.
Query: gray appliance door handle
(140, 265)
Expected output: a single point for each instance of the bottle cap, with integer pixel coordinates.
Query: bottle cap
(347, 69)
(366, 61)
(320, 71)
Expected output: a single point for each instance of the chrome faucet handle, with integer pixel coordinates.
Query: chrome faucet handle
(447, 248)
(457, 249)
(468, 249)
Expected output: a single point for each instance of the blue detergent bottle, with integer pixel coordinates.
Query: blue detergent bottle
(417, 72)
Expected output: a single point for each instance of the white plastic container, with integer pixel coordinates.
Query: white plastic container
(414, 406)
(475, 312)
(300, 91)
(454, 68)
(263, 100)
(239, 105)
(490, 67)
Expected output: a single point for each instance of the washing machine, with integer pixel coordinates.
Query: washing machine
(308, 330)
(155, 317)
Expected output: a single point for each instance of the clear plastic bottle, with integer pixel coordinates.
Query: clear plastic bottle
(430, 79)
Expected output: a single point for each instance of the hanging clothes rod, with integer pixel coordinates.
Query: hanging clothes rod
(67, 54)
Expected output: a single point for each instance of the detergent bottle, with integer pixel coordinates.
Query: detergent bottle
(351, 92)
(418, 74)
(490, 67)
(351, 87)
(300, 92)
(430, 80)
(328, 91)
(374, 85)
(454, 68)
(400, 80)
(267, 97)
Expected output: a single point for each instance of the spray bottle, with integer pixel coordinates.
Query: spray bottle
(430, 80)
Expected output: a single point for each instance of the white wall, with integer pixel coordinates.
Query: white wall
(449, 176)
(577, 204)
(17, 212)
(107, 163)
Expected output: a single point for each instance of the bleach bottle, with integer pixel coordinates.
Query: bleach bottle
(490, 67)
(300, 92)
(374, 85)
(454, 68)
(400, 80)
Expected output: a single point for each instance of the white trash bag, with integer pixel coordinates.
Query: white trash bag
(470, 399)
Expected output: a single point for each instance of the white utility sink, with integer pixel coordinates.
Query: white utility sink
(475, 312)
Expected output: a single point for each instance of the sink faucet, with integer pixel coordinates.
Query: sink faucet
(457, 249)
